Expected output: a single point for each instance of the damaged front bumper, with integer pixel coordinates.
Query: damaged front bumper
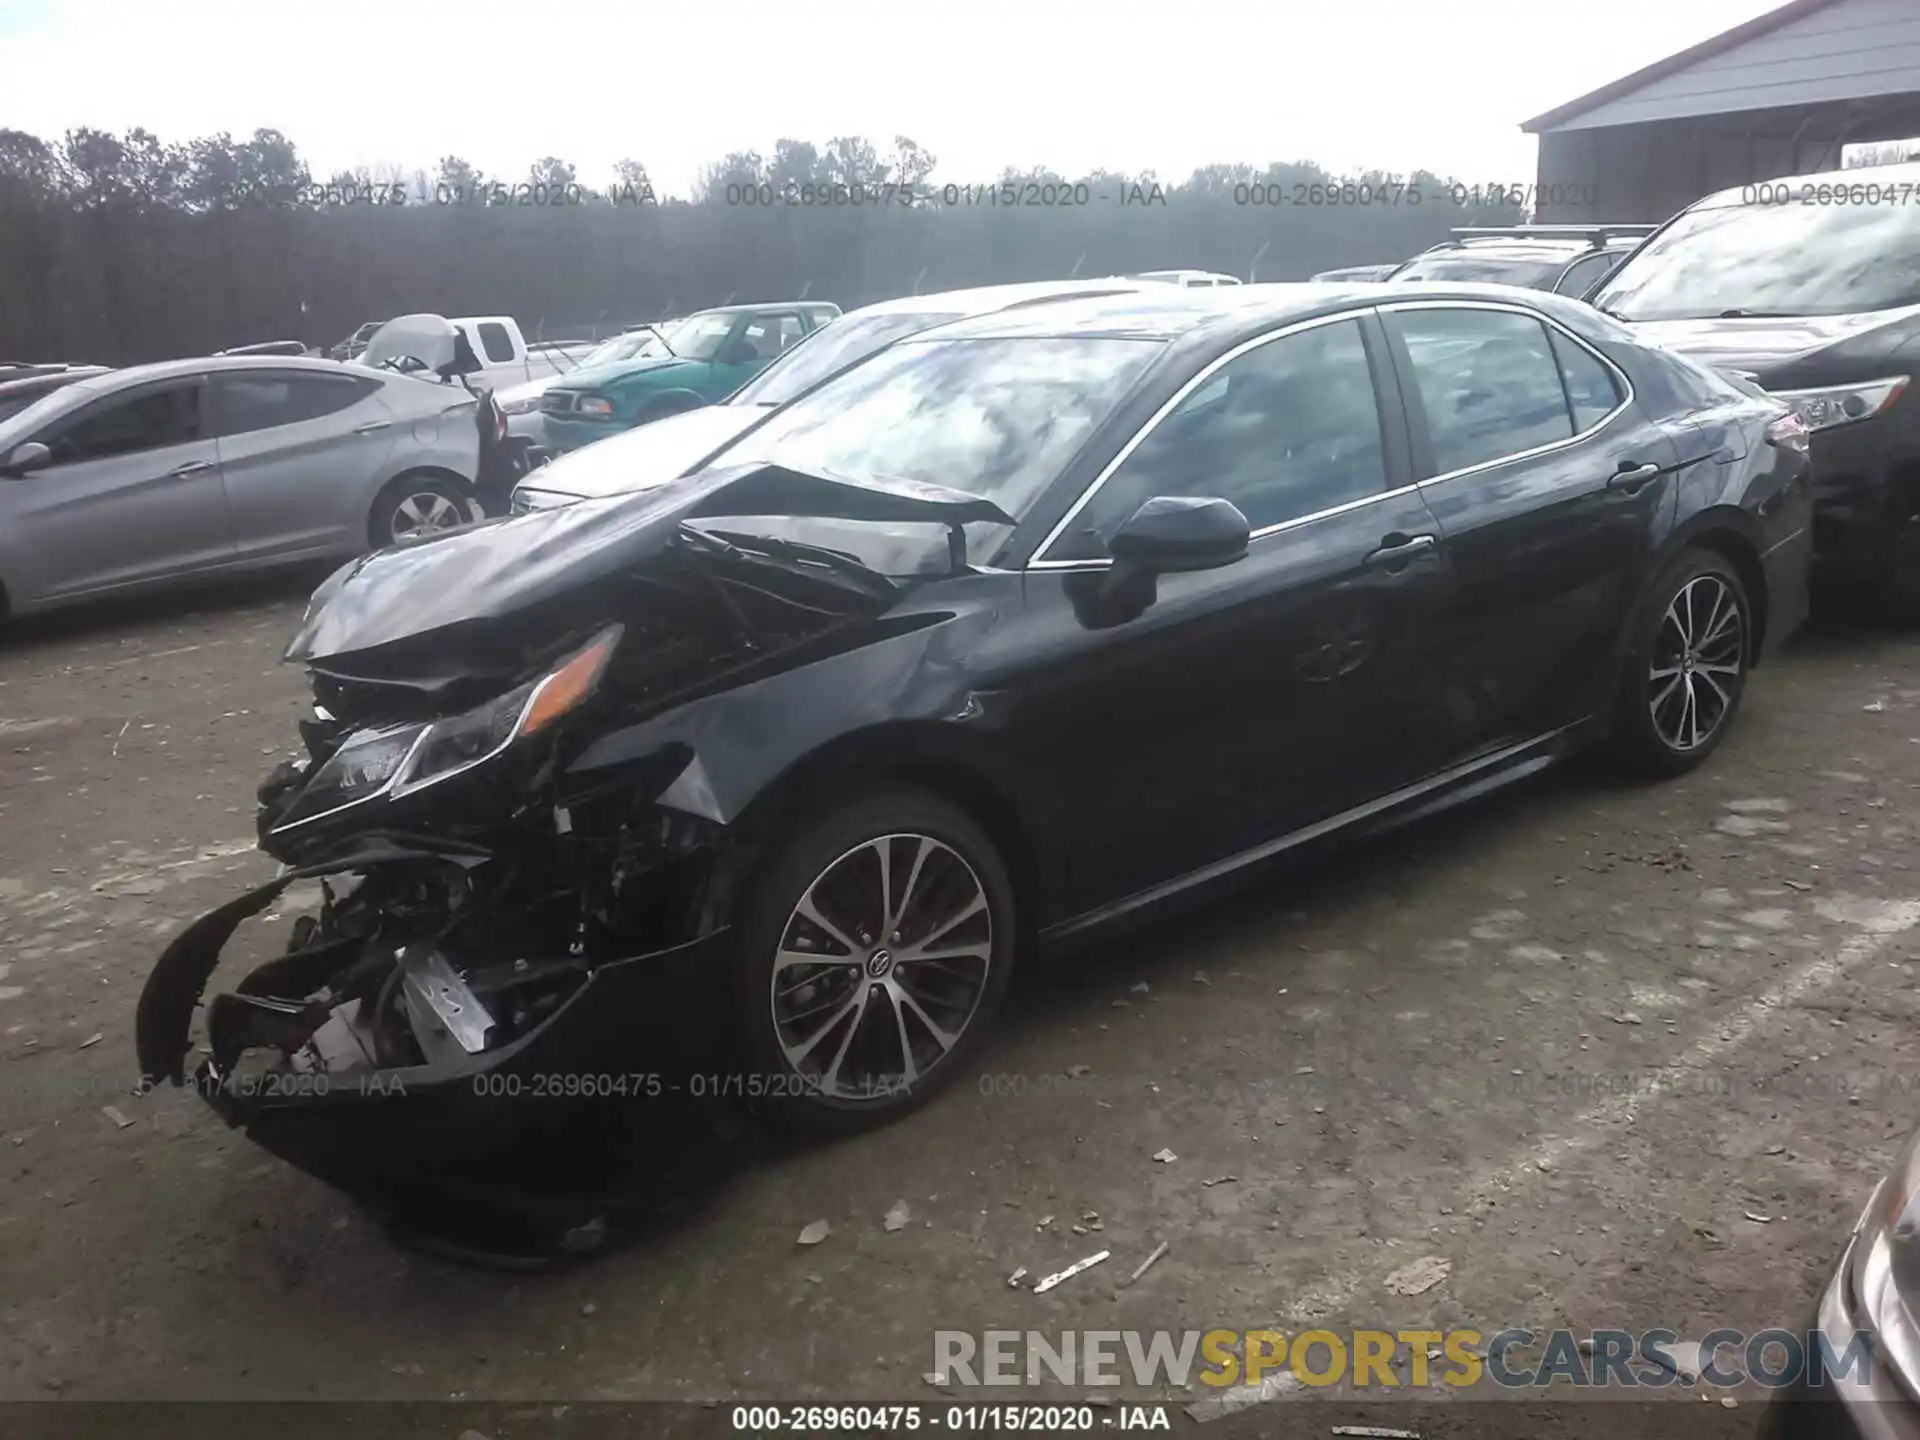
(458, 1121)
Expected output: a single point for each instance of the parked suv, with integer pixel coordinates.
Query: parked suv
(706, 357)
(1810, 287)
(1566, 259)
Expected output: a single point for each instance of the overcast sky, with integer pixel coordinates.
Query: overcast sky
(1396, 84)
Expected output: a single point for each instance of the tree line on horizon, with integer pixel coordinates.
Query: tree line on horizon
(118, 249)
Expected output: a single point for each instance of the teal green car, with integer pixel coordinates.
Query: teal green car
(707, 356)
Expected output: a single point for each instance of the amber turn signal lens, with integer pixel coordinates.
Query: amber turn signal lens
(566, 687)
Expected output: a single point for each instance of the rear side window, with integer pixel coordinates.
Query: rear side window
(1592, 392)
(261, 401)
(1584, 274)
(1488, 384)
(494, 341)
(129, 425)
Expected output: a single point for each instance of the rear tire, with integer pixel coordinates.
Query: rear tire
(1686, 669)
(824, 1038)
(416, 506)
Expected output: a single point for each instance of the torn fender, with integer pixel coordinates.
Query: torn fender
(164, 1019)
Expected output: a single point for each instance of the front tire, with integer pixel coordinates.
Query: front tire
(874, 947)
(1686, 670)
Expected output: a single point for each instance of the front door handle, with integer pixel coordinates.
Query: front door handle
(1632, 479)
(371, 426)
(190, 469)
(1397, 552)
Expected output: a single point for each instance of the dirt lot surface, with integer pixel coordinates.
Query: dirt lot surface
(1624, 1057)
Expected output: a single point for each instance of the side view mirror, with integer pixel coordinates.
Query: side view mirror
(1167, 534)
(26, 458)
(1177, 532)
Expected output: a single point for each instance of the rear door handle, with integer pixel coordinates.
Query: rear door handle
(191, 468)
(371, 426)
(1632, 479)
(1397, 552)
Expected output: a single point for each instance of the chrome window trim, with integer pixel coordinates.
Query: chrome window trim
(1173, 402)
(1620, 378)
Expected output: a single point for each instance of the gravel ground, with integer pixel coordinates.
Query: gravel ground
(1572, 1040)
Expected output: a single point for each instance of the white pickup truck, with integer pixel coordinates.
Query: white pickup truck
(489, 349)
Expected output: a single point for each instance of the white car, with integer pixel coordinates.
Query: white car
(671, 447)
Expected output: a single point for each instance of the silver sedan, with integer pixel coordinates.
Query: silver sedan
(163, 473)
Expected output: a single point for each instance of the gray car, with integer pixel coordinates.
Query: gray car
(157, 474)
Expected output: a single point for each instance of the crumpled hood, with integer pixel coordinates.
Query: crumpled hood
(598, 377)
(504, 566)
(1761, 345)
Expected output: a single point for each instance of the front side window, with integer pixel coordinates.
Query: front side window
(495, 342)
(998, 418)
(1289, 429)
(262, 400)
(149, 420)
(1488, 382)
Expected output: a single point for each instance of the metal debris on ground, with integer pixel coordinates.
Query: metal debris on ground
(114, 1115)
(1165, 1157)
(1376, 1432)
(1420, 1276)
(815, 1233)
(897, 1216)
(91, 1041)
(1796, 884)
(1045, 1220)
(1219, 1180)
(1139, 987)
(1014, 1279)
(1200, 978)
(1241, 1397)
(1147, 1264)
(1080, 1230)
(1876, 707)
(1758, 1218)
(1774, 1150)
(1071, 1271)
(1074, 1072)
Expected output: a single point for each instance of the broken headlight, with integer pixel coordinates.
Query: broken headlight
(398, 761)
(363, 767)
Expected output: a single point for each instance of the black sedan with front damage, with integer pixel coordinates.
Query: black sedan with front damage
(1025, 625)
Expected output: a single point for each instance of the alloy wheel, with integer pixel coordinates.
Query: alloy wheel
(1698, 656)
(425, 514)
(881, 967)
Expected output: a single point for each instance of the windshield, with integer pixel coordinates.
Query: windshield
(1772, 259)
(623, 347)
(699, 337)
(997, 418)
(1488, 269)
(827, 351)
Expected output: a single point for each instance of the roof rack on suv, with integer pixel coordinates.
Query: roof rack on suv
(1595, 234)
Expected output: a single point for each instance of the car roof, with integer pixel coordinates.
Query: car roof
(1530, 247)
(50, 379)
(760, 306)
(1902, 173)
(1167, 312)
(985, 299)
